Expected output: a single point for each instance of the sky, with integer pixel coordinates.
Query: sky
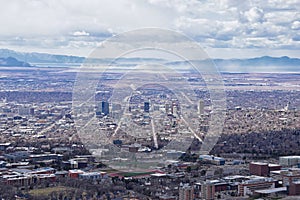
(224, 28)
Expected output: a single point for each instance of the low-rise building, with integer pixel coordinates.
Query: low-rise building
(290, 175)
(262, 169)
(259, 169)
(90, 175)
(212, 159)
(186, 193)
(75, 173)
(17, 156)
(294, 188)
(42, 157)
(289, 161)
(207, 190)
(255, 183)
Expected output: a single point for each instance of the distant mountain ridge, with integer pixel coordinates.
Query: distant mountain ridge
(259, 61)
(259, 64)
(13, 62)
(40, 57)
(291, 64)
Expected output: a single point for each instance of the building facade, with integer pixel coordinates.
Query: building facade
(186, 193)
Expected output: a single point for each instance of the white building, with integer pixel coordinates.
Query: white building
(201, 107)
(289, 161)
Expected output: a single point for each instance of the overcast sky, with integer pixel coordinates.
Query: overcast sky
(224, 28)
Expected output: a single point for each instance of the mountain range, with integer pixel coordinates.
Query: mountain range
(40, 57)
(13, 62)
(14, 58)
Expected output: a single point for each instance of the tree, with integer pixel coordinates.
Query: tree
(189, 169)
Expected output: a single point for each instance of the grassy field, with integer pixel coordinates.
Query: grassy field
(47, 191)
(130, 174)
(109, 170)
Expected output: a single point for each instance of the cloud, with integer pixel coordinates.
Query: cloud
(63, 24)
(80, 33)
(255, 15)
(296, 25)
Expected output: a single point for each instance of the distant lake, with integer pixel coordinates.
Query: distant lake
(63, 65)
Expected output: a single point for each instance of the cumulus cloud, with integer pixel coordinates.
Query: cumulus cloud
(296, 25)
(255, 15)
(63, 24)
(81, 33)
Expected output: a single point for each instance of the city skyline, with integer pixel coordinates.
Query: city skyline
(150, 99)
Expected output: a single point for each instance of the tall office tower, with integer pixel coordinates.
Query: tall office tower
(31, 111)
(201, 107)
(174, 110)
(98, 108)
(105, 107)
(167, 107)
(186, 193)
(287, 107)
(146, 106)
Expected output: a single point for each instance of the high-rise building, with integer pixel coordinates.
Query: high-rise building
(105, 108)
(99, 109)
(287, 107)
(201, 107)
(169, 109)
(146, 106)
(102, 108)
(175, 109)
(31, 111)
(186, 193)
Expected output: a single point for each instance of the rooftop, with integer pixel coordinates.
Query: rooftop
(290, 157)
(272, 190)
